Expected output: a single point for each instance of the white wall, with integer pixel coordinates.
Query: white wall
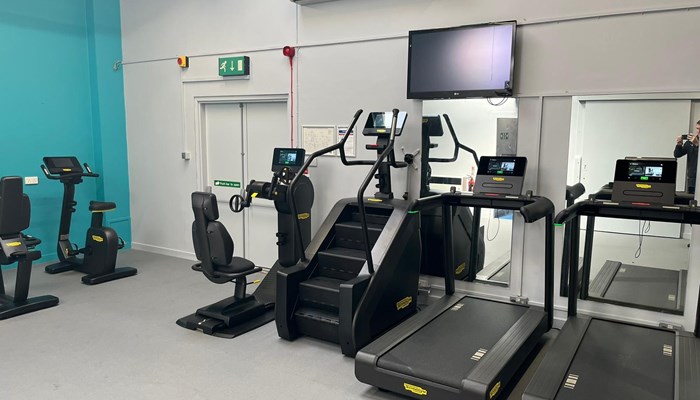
(559, 55)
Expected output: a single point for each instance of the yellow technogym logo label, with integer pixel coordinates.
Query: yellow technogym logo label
(643, 186)
(66, 169)
(403, 303)
(303, 216)
(381, 130)
(415, 389)
(460, 268)
(375, 200)
(495, 390)
(498, 179)
(14, 244)
(98, 239)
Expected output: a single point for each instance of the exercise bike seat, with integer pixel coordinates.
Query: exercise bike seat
(102, 206)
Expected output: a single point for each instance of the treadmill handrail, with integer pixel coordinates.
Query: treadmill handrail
(532, 208)
(686, 214)
(573, 192)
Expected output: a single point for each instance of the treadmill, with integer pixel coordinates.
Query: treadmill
(645, 287)
(461, 346)
(598, 358)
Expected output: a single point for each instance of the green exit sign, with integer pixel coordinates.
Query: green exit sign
(230, 184)
(234, 66)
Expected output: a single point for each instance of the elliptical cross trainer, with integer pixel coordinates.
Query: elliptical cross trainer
(101, 243)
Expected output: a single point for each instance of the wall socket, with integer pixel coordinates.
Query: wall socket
(31, 180)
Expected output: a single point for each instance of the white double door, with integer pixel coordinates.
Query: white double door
(237, 144)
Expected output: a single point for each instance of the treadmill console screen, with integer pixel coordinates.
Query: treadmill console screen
(661, 171)
(62, 165)
(290, 158)
(503, 166)
(379, 123)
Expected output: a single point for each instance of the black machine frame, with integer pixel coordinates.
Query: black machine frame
(499, 364)
(15, 247)
(374, 296)
(639, 363)
(101, 242)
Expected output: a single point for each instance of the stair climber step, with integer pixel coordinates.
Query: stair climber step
(321, 292)
(379, 219)
(340, 263)
(320, 324)
(349, 234)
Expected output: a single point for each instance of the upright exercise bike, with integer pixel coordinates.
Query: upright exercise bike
(101, 243)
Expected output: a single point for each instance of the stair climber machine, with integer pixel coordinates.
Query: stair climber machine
(359, 274)
(101, 242)
(463, 346)
(431, 219)
(231, 317)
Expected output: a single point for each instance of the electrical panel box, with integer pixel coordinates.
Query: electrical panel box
(506, 136)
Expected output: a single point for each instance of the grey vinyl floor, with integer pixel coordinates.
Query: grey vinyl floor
(119, 340)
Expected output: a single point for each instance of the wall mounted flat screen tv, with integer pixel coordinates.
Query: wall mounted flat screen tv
(461, 62)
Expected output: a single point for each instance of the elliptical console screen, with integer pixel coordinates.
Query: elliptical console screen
(62, 165)
(502, 166)
(290, 158)
(662, 171)
(379, 123)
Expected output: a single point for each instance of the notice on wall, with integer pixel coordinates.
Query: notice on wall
(317, 137)
(350, 143)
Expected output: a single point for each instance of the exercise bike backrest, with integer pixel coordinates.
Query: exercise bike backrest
(14, 218)
(66, 169)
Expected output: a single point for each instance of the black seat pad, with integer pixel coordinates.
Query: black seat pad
(102, 206)
(236, 266)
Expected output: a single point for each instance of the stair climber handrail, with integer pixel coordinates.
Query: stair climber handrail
(370, 176)
(338, 146)
(458, 146)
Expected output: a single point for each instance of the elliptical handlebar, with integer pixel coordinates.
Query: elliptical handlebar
(389, 150)
(458, 146)
(338, 146)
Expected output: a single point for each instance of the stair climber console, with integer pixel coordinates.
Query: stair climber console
(359, 274)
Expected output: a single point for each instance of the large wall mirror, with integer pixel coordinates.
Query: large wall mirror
(489, 127)
(634, 263)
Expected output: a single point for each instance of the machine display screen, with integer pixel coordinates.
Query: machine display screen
(503, 166)
(292, 158)
(646, 171)
(379, 123)
(62, 164)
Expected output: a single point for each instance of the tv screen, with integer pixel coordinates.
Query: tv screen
(460, 62)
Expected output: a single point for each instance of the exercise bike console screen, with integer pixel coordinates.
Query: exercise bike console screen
(290, 158)
(379, 123)
(62, 165)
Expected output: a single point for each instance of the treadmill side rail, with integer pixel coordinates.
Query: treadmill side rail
(501, 362)
(687, 367)
(551, 373)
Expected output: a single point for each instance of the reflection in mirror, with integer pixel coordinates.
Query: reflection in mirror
(640, 264)
(488, 129)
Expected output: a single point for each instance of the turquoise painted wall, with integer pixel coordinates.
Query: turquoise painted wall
(62, 97)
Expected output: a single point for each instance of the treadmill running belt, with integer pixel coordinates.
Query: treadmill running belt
(647, 287)
(445, 350)
(620, 361)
